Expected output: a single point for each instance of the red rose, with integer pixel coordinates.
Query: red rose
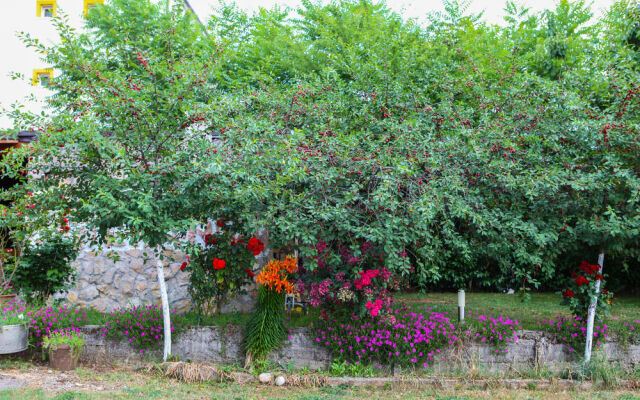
(250, 273)
(255, 246)
(218, 264)
(220, 223)
(209, 239)
(581, 280)
(599, 277)
(568, 293)
(183, 266)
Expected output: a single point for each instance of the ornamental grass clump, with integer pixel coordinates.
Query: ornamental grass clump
(141, 326)
(266, 328)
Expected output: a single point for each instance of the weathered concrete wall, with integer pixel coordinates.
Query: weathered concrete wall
(121, 276)
(224, 345)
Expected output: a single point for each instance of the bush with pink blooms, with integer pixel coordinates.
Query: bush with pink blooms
(47, 320)
(572, 332)
(141, 326)
(409, 338)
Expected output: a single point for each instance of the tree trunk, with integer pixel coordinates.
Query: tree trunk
(591, 315)
(166, 315)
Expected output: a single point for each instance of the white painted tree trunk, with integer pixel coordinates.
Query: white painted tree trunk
(592, 312)
(166, 315)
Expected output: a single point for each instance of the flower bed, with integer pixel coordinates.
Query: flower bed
(410, 338)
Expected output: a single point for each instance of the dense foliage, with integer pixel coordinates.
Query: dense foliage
(220, 267)
(46, 268)
(463, 154)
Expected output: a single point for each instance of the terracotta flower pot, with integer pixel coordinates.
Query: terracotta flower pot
(61, 358)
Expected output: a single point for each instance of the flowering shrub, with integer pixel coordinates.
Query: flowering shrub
(582, 289)
(498, 331)
(572, 332)
(45, 321)
(221, 267)
(341, 278)
(13, 313)
(407, 338)
(141, 326)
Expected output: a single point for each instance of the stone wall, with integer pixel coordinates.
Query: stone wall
(121, 276)
(223, 345)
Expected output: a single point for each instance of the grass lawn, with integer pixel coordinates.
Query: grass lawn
(541, 305)
(127, 384)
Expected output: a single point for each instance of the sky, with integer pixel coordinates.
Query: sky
(493, 9)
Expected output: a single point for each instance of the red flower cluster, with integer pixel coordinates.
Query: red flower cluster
(218, 264)
(374, 307)
(365, 278)
(581, 280)
(589, 269)
(255, 246)
(183, 266)
(250, 272)
(568, 293)
(209, 240)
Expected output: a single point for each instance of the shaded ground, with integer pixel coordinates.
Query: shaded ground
(124, 383)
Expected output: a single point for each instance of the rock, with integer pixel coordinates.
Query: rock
(72, 296)
(126, 285)
(265, 377)
(280, 380)
(90, 292)
(141, 285)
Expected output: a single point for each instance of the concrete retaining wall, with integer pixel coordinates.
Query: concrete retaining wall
(224, 345)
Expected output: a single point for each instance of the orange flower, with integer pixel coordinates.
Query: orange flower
(274, 275)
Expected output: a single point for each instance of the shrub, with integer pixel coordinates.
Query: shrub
(46, 268)
(44, 321)
(572, 332)
(582, 289)
(408, 338)
(141, 326)
(222, 266)
(14, 313)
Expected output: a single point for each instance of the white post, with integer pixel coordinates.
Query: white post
(592, 311)
(166, 315)
(461, 301)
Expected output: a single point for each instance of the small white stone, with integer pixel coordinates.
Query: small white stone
(265, 377)
(280, 381)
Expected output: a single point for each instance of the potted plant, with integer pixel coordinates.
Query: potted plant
(64, 347)
(14, 335)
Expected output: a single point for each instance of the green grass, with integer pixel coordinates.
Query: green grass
(128, 385)
(541, 305)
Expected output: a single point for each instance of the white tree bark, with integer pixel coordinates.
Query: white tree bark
(166, 315)
(592, 312)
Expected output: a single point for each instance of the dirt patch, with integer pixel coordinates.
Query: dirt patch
(50, 380)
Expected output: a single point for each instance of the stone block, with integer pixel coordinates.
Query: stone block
(126, 285)
(88, 293)
(141, 286)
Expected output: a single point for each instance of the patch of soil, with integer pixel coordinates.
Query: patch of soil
(50, 380)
